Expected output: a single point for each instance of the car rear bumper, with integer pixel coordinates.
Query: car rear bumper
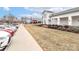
(2, 48)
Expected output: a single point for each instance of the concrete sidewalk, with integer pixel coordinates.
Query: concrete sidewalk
(23, 41)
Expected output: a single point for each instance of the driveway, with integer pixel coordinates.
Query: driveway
(23, 41)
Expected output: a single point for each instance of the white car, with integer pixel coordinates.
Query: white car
(4, 39)
(14, 28)
(2, 27)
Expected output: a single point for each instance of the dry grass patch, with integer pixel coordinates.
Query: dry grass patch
(54, 40)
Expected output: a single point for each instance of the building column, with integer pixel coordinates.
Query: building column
(70, 21)
(42, 20)
(58, 21)
(51, 20)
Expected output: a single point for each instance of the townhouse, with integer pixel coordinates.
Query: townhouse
(68, 17)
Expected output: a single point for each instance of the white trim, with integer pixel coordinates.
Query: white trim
(58, 19)
(70, 20)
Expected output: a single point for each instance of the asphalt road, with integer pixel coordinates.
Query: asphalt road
(23, 41)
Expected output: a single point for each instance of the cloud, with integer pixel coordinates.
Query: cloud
(6, 8)
(25, 15)
(59, 9)
(35, 15)
(41, 9)
(37, 11)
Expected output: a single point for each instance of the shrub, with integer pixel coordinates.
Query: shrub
(71, 29)
(66, 26)
(49, 26)
(63, 28)
(55, 26)
(59, 27)
(76, 29)
(46, 26)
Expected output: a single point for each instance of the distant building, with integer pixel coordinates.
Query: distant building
(26, 19)
(36, 20)
(9, 18)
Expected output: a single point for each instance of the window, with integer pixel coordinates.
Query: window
(49, 20)
(55, 18)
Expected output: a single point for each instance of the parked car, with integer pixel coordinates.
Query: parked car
(13, 28)
(9, 31)
(16, 25)
(2, 27)
(4, 39)
(6, 32)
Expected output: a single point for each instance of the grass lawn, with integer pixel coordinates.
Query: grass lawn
(54, 40)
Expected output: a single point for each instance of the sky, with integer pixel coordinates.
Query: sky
(29, 11)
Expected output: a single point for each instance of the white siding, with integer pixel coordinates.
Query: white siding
(71, 21)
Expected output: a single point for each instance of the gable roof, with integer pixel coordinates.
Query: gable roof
(47, 11)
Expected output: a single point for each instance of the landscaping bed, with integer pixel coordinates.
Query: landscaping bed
(74, 29)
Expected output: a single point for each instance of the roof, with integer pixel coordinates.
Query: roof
(47, 11)
(67, 11)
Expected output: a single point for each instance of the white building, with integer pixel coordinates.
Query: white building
(46, 17)
(69, 17)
